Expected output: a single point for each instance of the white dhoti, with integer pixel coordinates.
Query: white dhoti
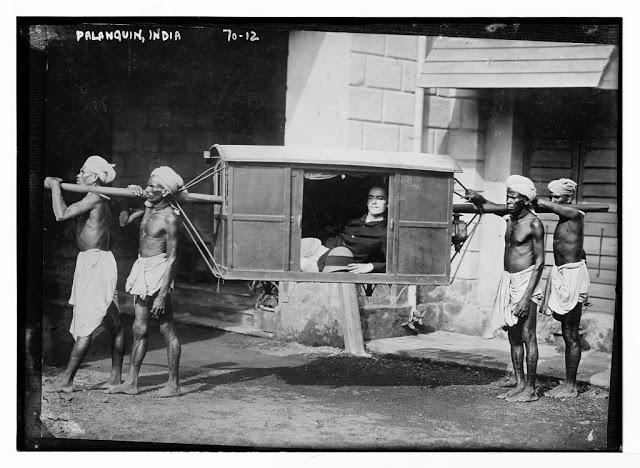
(146, 275)
(93, 290)
(510, 291)
(311, 249)
(567, 285)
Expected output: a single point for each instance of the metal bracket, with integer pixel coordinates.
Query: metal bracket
(391, 290)
(368, 289)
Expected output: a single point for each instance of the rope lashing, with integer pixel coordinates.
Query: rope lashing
(195, 237)
(210, 171)
(199, 243)
(466, 247)
(460, 183)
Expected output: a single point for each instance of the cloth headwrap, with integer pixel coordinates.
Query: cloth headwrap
(562, 186)
(169, 179)
(101, 168)
(522, 185)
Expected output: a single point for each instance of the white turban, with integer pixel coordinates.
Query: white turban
(562, 186)
(168, 178)
(101, 168)
(522, 185)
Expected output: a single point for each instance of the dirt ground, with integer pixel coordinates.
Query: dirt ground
(249, 392)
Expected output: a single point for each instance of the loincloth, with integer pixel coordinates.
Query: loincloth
(146, 275)
(567, 285)
(93, 290)
(511, 289)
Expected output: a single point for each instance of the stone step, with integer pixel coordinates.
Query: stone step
(229, 320)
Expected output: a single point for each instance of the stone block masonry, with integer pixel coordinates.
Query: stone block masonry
(368, 43)
(357, 71)
(382, 72)
(365, 104)
(397, 107)
(381, 92)
(380, 137)
(401, 46)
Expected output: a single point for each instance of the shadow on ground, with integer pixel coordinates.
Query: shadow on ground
(344, 371)
(57, 352)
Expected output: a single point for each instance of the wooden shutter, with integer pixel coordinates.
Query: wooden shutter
(574, 134)
(420, 239)
(258, 222)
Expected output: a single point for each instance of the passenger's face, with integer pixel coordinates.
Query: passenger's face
(155, 191)
(85, 177)
(515, 201)
(560, 199)
(377, 201)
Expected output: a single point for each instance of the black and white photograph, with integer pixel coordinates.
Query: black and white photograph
(319, 234)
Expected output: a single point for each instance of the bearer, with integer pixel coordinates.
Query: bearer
(151, 278)
(568, 282)
(93, 294)
(514, 308)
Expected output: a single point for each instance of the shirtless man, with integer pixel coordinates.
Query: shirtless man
(93, 294)
(515, 308)
(151, 278)
(568, 282)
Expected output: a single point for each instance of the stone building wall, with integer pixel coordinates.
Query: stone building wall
(381, 116)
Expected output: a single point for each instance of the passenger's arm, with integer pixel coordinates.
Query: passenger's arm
(361, 267)
(381, 267)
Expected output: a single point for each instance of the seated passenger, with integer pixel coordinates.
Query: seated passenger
(365, 237)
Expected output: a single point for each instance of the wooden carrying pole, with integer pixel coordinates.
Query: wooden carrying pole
(125, 193)
(470, 208)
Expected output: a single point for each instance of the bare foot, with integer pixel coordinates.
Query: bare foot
(528, 394)
(514, 391)
(110, 385)
(64, 387)
(167, 391)
(563, 391)
(507, 381)
(127, 388)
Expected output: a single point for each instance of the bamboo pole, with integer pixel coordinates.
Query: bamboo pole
(125, 193)
(471, 208)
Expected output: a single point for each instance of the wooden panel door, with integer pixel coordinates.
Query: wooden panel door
(421, 224)
(573, 133)
(259, 218)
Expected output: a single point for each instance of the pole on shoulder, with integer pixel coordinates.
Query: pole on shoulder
(182, 197)
(471, 208)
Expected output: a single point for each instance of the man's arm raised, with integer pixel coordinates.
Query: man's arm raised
(171, 229)
(482, 203)
(127, 217)
(564, 211)
(537, 240)
(63, 212)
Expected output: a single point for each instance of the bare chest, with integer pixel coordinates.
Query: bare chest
(517, 233)
(568, 230)
(152, 225)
